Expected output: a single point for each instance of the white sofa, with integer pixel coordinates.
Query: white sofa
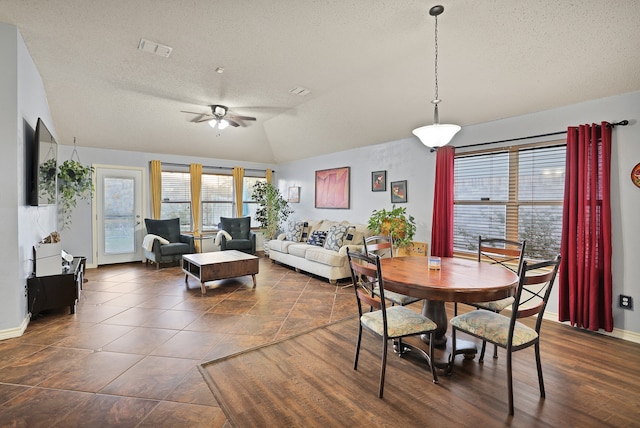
(295, 247)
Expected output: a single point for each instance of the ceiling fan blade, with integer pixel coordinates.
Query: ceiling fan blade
(191, 112)
(241, 117)
(232, 122)
(202, 118)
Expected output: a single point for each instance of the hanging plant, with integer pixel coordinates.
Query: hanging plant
(74, 183)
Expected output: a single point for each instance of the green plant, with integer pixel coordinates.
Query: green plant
(47, 182)
(272, 210)
(74, 183)
(395, 222)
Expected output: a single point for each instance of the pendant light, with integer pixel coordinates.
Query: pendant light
(438, 134)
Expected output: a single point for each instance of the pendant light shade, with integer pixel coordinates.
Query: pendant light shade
(436, 135)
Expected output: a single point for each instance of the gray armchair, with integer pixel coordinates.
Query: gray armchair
(242, 238)
(164, 243)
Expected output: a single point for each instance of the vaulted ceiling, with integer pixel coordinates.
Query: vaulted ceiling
(368, 64)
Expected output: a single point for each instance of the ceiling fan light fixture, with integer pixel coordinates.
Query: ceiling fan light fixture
(218, 123)
(436, 135)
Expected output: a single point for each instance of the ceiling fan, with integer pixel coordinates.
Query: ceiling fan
(219, 117)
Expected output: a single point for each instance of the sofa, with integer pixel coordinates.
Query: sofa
(318, 247)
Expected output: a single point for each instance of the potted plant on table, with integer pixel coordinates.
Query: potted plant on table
(272, 210)
(74, 183)
(395, 223)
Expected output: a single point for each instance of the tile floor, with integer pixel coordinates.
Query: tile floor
(128, 356)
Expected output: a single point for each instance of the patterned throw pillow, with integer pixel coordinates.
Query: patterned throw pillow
(317, 238)
(305, 231)
(294, 230)
(335, 237)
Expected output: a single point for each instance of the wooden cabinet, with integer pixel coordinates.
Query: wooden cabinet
(56, 291)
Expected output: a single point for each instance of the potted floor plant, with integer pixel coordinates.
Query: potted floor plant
(272, 210)
(394, 222)
(74, 183)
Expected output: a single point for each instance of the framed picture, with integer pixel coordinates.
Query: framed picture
(379, 181)
(332, 188)
(294, 194)
(399, 191)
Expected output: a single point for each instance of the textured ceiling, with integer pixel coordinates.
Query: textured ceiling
(368, 64)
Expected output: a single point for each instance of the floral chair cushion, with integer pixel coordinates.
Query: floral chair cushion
(497, 305)
(401, 321)
(493, 327)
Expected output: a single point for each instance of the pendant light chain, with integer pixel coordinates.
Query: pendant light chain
(436, 100)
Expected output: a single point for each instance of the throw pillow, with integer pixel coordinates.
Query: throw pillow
(305, 231)
(317, 238)
(294, 230)
(335, 237)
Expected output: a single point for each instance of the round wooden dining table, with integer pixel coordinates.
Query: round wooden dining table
(457, 280)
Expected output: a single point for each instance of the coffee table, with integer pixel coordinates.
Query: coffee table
(218, 265)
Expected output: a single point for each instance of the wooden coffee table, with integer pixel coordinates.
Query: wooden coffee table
(218, 265)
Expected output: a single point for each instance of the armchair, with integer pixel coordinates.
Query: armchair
(239, 229)
(164, 243)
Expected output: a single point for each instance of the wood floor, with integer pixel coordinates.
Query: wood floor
(129, 357)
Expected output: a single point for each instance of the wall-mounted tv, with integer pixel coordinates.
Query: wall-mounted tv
(44, 167)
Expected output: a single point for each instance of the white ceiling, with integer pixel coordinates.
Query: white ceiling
(368, 63)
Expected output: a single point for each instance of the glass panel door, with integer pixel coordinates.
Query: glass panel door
(119, 215)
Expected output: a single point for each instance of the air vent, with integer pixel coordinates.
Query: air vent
(154, 48)
(299, 90)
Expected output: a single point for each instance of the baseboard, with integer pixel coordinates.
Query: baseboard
(15, 332)
(617, 333)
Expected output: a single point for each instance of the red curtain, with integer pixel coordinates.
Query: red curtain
(585, 295)
(442, 219)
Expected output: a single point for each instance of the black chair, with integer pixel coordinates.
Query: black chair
(238, 234)
(382, 246)
(505, 253)
(534, 288)
(171, 245)
(391, 323)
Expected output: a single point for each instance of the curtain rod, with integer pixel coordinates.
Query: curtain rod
(212, 167)
(610, 125)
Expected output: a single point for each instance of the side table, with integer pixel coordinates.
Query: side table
(55, 291)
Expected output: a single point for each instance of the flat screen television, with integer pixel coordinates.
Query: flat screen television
(44, 167)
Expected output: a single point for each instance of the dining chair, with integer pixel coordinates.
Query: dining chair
(534, 288)
(505, 253)
(388, 323)
(382, 246)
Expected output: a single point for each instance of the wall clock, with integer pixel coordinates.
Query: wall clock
(635, 175)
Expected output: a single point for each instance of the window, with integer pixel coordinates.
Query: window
(217, 199)
(514, 193)
(176, 198)
(249, 207)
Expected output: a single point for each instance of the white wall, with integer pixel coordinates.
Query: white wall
(403, 160)
(408, 159)
(22, 101)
